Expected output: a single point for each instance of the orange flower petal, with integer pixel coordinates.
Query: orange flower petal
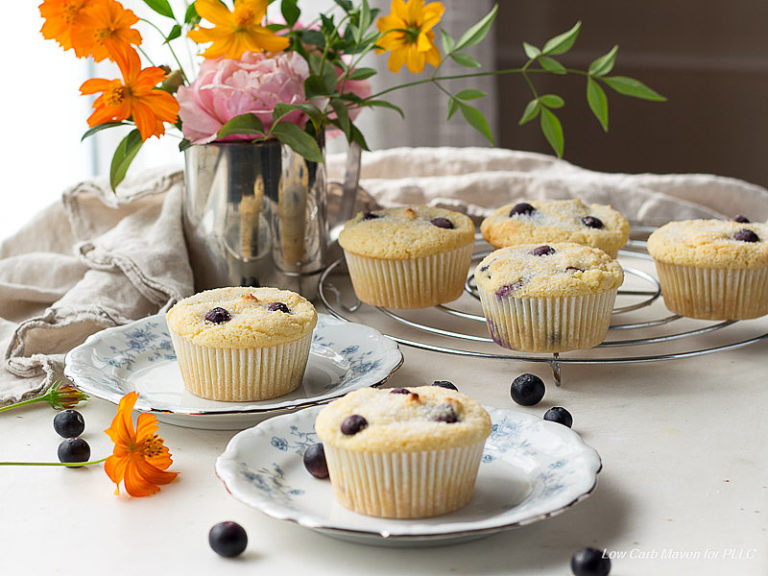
(137, 486)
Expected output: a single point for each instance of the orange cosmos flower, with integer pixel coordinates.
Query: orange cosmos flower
(408, 34)
(105, 27)
(140, 457)
(235, 33)
(61, 18)
(136, 96)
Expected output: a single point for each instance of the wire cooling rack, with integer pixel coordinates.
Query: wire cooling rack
(642, 329)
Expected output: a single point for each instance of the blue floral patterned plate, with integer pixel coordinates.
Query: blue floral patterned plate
(139, 356)
(531, 469)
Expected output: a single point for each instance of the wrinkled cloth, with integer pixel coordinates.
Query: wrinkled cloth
(93, 260)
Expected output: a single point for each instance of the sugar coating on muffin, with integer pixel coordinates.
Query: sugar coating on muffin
(254, 317)
(596, 225)
(711, 244)
(413, 231)
(410, 420)
(557, 269)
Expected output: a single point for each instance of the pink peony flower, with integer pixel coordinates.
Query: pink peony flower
(226, 88)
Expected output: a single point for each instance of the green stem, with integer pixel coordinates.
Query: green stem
(441, 78)
(172, 51)
(23, 403)
(68, 464)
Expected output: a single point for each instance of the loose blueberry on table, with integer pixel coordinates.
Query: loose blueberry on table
(69, 423)
(445, 384)
(560, 415)
(353, 424)
(522, 208)
(278, 306)
(590, 562)
(228, 539)
(314, 460)
(527, 389)
(74, 450)
(218, 315)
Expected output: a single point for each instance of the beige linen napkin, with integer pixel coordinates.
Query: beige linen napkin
(92, 261)
(86, 263)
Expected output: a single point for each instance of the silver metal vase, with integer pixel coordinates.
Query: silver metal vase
(255, 215)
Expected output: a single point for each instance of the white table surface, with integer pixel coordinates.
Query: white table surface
(684, 488)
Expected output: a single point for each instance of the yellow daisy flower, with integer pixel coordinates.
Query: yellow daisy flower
(237, 32)
(407, 33)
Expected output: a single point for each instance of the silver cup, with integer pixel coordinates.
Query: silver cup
(255, 215)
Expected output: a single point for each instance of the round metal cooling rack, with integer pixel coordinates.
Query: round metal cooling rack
(641, 347)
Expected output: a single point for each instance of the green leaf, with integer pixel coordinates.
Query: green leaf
(531, 51)
(453, 107)
(631, 87)
(598, 102)
(191, 16)
(475, 118)
(173, 34)
(604, 64)
(162, 7)
(184, 144)
(100, 127)
(362, 73)
(465, 60)
(358, 138)
(478, 32)
(298, 140)
(290, 11)
(365, 20)
(532, 109)
(244, 124)
(345, 5)
(447, 41)
(342, 115)
(470, 94)
(551, 101)
(124, 154)
(553, 131)
(323, 85)
(562, 42)
(552, 65)
(385, 104)
(314, 37)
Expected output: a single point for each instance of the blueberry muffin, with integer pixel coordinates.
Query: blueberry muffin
(545, 221)
(242, 344)
(712, 269)
(411, 257)
(403, 453)
(548, 297)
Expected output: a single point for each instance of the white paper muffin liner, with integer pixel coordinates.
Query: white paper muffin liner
(410, 283)
(548, 324)
(242, 374)
(714, 293)
(404, 484)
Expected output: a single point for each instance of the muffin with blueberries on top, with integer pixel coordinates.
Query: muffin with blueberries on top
(713, 269)
(411, 257)
(549, 297)
(242, 343)
(403, 452)
(543, 221)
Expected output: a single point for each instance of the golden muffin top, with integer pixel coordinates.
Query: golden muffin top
(540, 221)
(408, 232)
(242, 317)
(556, 269)
(711, 244)
(402, 419)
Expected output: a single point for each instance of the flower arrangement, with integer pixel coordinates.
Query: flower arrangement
(288, 81)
